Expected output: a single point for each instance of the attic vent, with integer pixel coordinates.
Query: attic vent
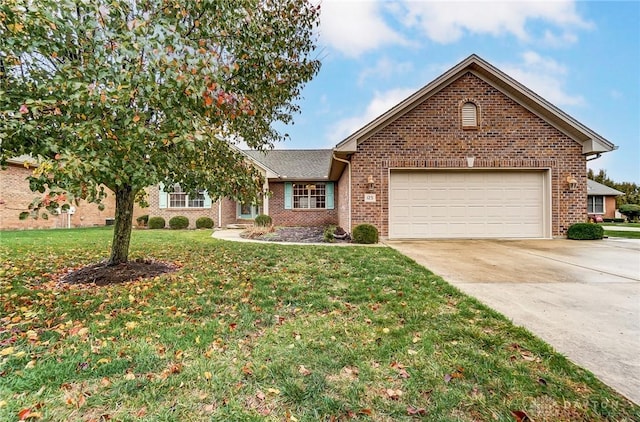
(469, 115)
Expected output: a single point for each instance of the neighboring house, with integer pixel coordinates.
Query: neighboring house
(473, 154)
(601, 200)
(15, 197)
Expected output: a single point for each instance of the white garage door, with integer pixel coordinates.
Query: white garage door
(467, 204)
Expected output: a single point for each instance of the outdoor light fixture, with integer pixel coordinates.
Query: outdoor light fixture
(572, 183)
(371, 183)
(470, 160)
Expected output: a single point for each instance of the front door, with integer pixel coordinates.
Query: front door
(247, 211)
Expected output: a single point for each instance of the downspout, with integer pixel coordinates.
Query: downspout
(348, 163)
(220, 212)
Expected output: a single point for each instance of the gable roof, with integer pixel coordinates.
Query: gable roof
(592, 143)
(595, 188)
(293, 164)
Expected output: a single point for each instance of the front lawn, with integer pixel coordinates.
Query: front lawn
(258, 332)
(620, 233)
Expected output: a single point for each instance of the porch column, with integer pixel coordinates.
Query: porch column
(265, 197)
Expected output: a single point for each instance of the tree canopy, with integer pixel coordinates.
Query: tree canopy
(125, 94)
(630, 190)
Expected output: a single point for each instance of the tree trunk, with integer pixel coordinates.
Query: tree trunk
(123, 224)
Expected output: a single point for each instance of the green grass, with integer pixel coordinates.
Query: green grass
(267, 332)
(620, 233)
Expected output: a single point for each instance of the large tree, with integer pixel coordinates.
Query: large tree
(125, 94)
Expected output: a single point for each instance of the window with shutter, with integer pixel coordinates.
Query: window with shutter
(469, 115)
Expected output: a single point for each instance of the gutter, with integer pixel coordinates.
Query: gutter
(348, 163)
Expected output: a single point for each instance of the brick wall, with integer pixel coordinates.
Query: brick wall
(430, 136)
(167, 213)
(609, 207)
(15, 198)
(298, 217)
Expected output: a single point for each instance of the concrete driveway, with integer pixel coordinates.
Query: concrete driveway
(582, 297)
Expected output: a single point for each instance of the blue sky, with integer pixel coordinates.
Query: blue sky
(583, 57)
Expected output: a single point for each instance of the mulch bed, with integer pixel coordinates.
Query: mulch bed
(297, 234)
(102, 274)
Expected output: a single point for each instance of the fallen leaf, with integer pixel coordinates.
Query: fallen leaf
(521, 416)
(130, 377)
(208, 375)
(393, 394)
(7, 351)
(246, 369)
(303, 371)
(23, 414)
(414, 411)
(385, 330)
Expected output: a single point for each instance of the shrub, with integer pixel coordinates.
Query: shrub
(156, 223)
(204, 223)
(257, 232)
(179, 222)
(263, 220)
(365, 233)
(585, 231)
(328, 234)
(143, 220)
(631, 211)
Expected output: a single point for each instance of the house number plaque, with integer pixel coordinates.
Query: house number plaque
(369, 197)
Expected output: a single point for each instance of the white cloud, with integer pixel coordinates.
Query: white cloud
(447, 22)
(384, 68)
(545, 77)
(559, 40)
(381, 102)
(354, 27)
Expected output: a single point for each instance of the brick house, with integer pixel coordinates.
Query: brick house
(473, 154)
(15, 197)
(601, 200)
(300, 193)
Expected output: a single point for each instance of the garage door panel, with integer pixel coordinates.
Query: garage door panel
(466, 204)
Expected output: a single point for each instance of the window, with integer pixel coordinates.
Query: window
(595, 204)
(179, 199)
(308, 195)
(469, 114)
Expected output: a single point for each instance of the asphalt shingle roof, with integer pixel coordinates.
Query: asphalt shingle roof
(595, 188)
(301, 164)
